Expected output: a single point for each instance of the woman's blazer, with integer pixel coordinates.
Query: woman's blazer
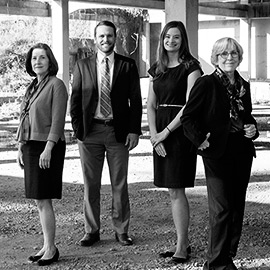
(48, 111)
(125, 97)
(208, 111)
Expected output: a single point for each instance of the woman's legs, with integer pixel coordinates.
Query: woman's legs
(180, 213)
(47, 220)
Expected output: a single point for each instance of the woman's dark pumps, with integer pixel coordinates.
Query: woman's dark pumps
(176, 260)
(169, 254)
(166, 254)
(34, 258)
(43, 262)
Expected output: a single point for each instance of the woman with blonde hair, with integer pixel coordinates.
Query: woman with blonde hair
(218, 120)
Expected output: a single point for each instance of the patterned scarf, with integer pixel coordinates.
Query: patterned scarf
(234, 92)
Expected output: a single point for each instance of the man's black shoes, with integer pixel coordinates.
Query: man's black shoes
(123, 239)
(89, 239)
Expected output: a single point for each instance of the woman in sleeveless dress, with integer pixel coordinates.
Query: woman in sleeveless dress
(172, 77)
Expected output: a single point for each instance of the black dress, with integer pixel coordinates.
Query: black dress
(178, 168)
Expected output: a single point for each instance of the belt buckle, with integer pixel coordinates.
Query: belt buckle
(107, 122)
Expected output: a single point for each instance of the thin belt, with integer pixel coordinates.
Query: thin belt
(171, 105)
(105, 122)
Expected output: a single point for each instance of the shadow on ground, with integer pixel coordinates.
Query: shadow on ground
(151, 228)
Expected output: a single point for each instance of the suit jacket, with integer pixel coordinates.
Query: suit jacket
(208, 110)
(125, 97)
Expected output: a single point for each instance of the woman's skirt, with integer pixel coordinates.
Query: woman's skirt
(43, 183)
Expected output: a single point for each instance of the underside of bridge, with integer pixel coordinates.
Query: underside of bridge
(246, 20)
(241, 9)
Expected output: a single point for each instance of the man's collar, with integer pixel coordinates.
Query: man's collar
(101, 56)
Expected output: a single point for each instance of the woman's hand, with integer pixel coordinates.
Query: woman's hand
(160, 149)
(250, 130)
(205, 144)
(159, 137)
(45, 159)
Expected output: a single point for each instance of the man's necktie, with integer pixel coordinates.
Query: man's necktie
(105, 100)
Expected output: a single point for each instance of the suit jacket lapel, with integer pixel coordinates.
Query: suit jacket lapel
(116, 70)
(93, 70)
(223, 93)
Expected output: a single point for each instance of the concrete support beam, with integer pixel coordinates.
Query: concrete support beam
(27, 8)
(242, 34)
(187, 12)
(260, 48)
(224, 9)
(149, 4)
(60, 38)
(144, 48)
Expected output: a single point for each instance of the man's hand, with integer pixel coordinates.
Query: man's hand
(132, 141)
(20, 159)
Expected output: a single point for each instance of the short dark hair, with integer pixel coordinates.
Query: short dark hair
(53, 65)
(106, 23)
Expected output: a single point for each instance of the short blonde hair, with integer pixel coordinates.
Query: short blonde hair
(221, 45)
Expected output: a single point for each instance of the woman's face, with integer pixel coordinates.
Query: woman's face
(40, 62)
(172, 40)
(228, 60)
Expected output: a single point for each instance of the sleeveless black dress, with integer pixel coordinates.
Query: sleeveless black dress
(178, 168)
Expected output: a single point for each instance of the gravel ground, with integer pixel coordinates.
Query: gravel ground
(151, 222)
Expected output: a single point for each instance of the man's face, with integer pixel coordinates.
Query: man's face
(105, 39)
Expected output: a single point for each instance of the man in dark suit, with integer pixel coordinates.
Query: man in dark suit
(109, 126)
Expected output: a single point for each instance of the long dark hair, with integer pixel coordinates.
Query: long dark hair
(53, 65)
(184, 53)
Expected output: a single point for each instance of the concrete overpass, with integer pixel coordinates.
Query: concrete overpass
(241, 9)
(254, 13)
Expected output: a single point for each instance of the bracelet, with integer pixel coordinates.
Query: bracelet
(169, 130)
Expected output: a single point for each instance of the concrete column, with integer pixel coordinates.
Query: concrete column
(249, 50)
(187, 12)
(60, 38)
(261, 32)
(155, 30)
(253, 56)
(144, 50)
(148, 51)
(243, 36)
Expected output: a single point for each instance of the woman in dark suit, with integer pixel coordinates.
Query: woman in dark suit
(42, 142)
(218, 120)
